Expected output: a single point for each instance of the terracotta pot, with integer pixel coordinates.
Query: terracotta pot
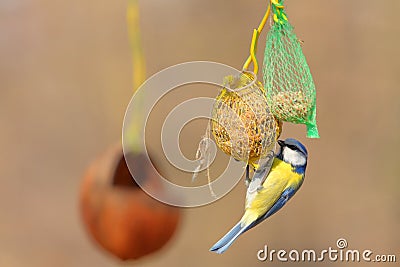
(120, 216)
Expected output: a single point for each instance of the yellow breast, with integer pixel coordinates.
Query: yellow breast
(279, 178)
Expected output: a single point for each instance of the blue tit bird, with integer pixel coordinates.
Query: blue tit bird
(272, 185)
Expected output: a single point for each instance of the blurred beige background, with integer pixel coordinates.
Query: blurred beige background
(65, 76)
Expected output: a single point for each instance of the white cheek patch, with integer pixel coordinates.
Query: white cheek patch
(293, 157)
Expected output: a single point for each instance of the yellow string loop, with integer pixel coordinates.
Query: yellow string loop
(138, 62)
(138, 74)
(253, 50)
(279, 8)
(253, 46)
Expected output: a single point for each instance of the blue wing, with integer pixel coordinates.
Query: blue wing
(283, 199)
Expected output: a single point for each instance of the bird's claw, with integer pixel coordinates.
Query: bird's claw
(247, 179)
(247, 182)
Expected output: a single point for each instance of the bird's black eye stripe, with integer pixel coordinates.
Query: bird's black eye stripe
(292, 147)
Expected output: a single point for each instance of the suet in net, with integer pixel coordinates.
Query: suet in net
(242, 123)
(290, 88)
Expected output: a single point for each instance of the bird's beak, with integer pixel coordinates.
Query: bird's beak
(281, 143)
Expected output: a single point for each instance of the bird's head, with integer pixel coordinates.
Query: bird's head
(293, 152)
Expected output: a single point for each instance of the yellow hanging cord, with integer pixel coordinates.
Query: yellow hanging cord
(256, 34)
(138, 62)
(278, 8)
(253, 46)
(138, 74)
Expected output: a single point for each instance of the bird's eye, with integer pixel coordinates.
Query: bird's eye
(292, 147)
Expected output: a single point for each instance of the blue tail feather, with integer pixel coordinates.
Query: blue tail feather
(225, 242)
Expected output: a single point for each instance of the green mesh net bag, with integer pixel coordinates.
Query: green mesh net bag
(288, 82)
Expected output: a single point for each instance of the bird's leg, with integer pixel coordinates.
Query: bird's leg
(247, 179)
